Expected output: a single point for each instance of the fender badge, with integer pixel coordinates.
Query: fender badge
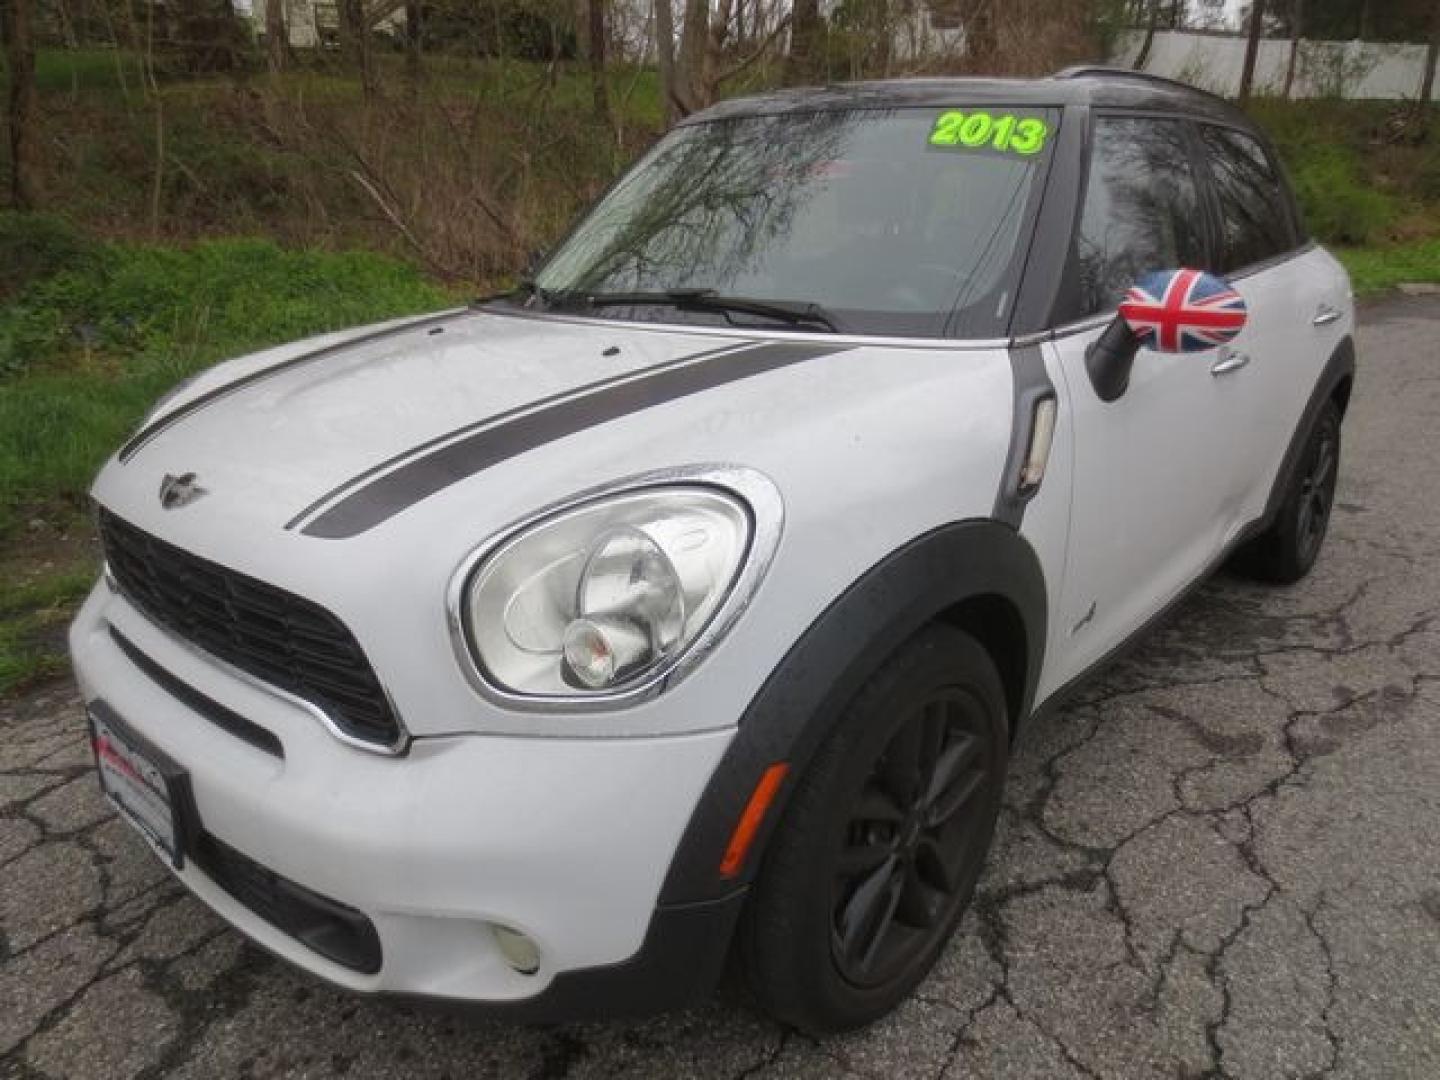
(178, 491)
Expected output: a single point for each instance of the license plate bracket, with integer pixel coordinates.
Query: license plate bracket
(150, 790)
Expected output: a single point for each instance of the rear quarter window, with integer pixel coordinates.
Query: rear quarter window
(1254, 212)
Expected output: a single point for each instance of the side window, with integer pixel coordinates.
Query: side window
(1142, 209)
(1254, 214)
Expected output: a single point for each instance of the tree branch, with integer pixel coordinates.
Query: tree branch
(760, 50)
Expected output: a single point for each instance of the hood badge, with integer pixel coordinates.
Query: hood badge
(178, 491)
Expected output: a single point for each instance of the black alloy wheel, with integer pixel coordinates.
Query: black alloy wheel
(882, 841)
(1317, 493)
(907, 858)
(1287, 551)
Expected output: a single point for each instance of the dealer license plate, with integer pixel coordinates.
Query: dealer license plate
(140, 781)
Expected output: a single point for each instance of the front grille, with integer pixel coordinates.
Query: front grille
(334, 930)
(280, 638)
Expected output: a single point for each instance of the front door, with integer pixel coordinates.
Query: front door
(1158, 472)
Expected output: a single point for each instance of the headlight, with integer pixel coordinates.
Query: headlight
(606, 598)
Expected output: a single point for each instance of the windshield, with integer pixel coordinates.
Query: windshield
(910, 222)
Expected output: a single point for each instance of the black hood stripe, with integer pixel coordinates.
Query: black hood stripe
(423, 476)
(211, 396)
(420, 449)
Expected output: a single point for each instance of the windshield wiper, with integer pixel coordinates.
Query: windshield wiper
(795, 312)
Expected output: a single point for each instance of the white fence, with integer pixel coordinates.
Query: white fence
(1352, 69)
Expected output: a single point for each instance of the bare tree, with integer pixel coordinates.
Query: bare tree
(710, 75)
(355, 32)
(1297, 30)
(801, 63)
(20, 57)
(707, 58)
(1252, 49)
(276, 40)
(595, 18)
(694, 36)
(981, 42)
(665, 49)
(414, 40)
(1427, 84)
(1150, 26)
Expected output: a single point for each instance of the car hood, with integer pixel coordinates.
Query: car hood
(363, 472)
(272, 437)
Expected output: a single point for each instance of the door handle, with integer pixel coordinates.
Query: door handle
(1325, 315)
(1229, 361)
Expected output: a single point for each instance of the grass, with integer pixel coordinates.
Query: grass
(1374, 269)
(33, 618)
(86, 346)
(85, 351)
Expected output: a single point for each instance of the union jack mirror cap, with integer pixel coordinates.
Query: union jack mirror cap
(1183, 311)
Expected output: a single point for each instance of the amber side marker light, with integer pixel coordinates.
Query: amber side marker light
(750, 820)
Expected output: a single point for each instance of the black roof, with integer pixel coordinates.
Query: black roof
(1099, 86)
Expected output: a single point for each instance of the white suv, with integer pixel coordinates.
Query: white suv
(683, 605)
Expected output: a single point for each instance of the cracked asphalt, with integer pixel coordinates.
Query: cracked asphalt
(1220, 860)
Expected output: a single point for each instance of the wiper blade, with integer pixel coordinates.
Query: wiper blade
(796, 312)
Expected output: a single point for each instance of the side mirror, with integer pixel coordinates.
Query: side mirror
(1171, 311)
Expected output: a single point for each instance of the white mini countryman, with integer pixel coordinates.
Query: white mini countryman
(676, 612)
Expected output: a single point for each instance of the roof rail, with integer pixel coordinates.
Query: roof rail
(1081, 70)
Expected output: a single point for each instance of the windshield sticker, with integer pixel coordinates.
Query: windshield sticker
(1007, 133)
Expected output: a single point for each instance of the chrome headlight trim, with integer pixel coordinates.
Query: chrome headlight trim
(755, 491)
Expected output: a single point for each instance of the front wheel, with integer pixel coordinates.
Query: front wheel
(1285, 552)
(883, 840)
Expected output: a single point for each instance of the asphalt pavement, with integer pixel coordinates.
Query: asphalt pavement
(1220, 860)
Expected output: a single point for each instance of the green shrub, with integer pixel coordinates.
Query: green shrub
(1338, 206)
(35, 246)
(1427, 176)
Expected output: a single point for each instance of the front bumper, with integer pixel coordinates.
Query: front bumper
(565, 840)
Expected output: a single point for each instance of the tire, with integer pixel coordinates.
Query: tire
(812, 951)
(1286, 551)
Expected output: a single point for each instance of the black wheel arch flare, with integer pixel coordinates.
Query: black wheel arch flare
(976, 571)
(1335, 384)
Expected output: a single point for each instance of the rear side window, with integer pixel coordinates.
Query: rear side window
(1142, 209)
(1254, 214)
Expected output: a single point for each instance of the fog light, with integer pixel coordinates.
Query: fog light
(519, 951)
